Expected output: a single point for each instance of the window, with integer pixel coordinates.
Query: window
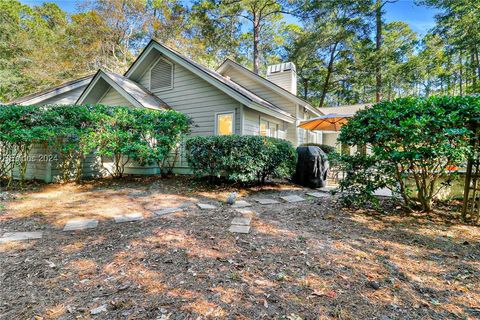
(268, 129)
(161, 75)
(264, 128)
(224, 123)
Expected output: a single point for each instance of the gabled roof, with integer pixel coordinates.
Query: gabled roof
(224, 84)
(276, 88)
(51, 92)
(130, 90)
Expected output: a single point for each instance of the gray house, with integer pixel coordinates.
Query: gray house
(230, 100)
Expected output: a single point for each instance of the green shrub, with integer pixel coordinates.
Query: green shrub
(240, 158)
(325, 148)
(409, 138)
(20, 128)
(119, 133)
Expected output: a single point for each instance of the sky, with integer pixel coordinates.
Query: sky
(420, 18)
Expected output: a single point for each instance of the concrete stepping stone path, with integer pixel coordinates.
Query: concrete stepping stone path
(267, 201)
(327, 189)
(246, 212)
(235, 228)
(80, 224)
(318, 194)
(20, 236)
(241, 221)
(165, 211)
(206, 206)
(241, 204)
(128, 217)
(242, 224)
(292, 198)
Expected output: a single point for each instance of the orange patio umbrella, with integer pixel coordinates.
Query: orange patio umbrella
(327, 122)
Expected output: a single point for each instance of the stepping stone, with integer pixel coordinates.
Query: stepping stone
(293, 198)
(241, 204)
(246, 212)
(267, 201)
(241, 221)
(328, 189)
(235, 228)
(128, 217)
(206, 206)
(80, 224)
(20, 236)
(165, 211)
(318, 194)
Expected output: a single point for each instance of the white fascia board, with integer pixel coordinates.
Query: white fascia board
(56, 92)
(270, 112)
(268, 84)
(113, 84)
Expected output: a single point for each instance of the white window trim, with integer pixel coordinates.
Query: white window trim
(268, 126)
(150, 75)
(216, 121)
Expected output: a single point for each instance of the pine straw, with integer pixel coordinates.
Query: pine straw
(312, 260)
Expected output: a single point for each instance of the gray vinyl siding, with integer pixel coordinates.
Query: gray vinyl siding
(92, 167)
(113, 98)
(38, 166)
(261, 90)
(196, 98)
(69, 97)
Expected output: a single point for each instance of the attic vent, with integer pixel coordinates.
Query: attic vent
(161, 75)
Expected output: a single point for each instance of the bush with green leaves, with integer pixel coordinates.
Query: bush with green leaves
(119, 133)
(72, 125)
(409, 138)
(124, 134)
(21, 127)
(240, 158)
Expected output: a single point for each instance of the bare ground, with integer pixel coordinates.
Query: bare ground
(310, 260)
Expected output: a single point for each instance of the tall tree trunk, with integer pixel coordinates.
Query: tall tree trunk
(461, 73)
(256, 42)
(378, 40)
(473, 69)
(326, 83)
(305, 87)
(477, 62)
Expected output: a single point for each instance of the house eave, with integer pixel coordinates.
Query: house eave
(284, 93)
(260, 108)
(102, 75)
(42, 96)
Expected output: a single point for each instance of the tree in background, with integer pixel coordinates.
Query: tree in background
(458, 25)
(323, 47)
(31, 41)
(262, 19)
(333, 43)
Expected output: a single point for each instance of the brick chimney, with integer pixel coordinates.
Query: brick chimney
(283, 75)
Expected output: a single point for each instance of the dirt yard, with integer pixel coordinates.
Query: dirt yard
(307, 260)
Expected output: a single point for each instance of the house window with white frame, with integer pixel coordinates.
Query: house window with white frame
(268, 128)
(224, 123)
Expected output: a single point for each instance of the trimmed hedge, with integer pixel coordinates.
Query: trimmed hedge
(241, 158)
(118, 133)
